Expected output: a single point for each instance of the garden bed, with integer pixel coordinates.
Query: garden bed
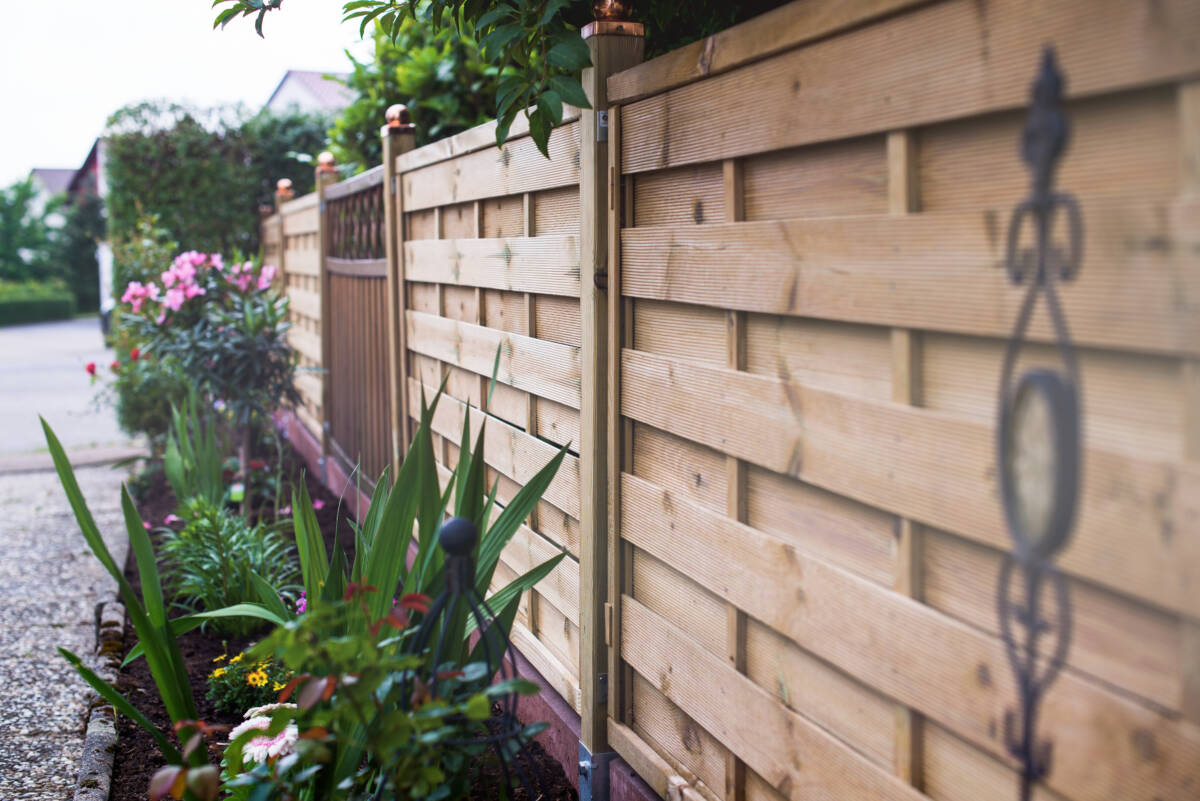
(138, 757)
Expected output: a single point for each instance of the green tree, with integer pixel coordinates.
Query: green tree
(533, 44)
(74, 251)
(437, 73)
(202, 173)
(25, 239)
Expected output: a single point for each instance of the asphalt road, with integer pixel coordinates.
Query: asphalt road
(42, 372)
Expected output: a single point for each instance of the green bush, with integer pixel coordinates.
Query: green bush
(145, 389)
(237, 684)
(218, 560)
(33, 302)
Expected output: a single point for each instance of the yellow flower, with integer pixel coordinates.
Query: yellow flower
(220, 658)
(257, 678)
(236, 659)
(277, 685)
(218, 673)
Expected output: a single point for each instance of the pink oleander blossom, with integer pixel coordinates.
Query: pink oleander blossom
(266, 276)
(261, 749)
(174, 298)
(302, 603)
(318, 504)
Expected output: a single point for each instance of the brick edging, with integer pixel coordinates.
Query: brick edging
(100, 737)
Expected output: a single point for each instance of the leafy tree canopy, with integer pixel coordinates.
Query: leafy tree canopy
(202, 173)
(25, 239)
(533, 45)
(436, 72)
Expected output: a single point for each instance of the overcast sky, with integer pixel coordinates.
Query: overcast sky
(66, 65)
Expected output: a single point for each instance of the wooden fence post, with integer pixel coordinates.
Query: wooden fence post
(326, 176)
(399, 136)
(614, 45)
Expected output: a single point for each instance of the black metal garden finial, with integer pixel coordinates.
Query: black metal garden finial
(1039, 441)
(503, 734)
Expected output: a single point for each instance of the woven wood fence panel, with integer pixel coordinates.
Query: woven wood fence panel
(812, 312)
(299, 234)
(491, 262)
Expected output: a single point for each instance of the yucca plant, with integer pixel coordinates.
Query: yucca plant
(148, 614)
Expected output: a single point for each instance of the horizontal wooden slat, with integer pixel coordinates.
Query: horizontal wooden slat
(517, 167)
(309, 385)
(748, 719)
(940, 271)
(507, 448)
(357, 268)
(351, 186)
(547, 265)
(305, 302)
(306, 342)
(302, 262)
(1139, 523)
(764, 35)
(301, 221)
(561, 678)
(547, 369)
(302, 203)
(944, 61)
(947, 670)
(481, 137)
(526, 551)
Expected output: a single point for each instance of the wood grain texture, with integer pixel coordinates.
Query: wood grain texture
(948, 671)
(738, 712)
(511, 170)
(939, 62)
(547, 369)
(545, 265)
(929, 467)
(762, 36)
(938, 271)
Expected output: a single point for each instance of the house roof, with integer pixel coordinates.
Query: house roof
(54, 179)
(326, 93)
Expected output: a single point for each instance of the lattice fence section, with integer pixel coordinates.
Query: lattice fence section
(301, 265)
(356, 269)
(491, 261)
(811, 319)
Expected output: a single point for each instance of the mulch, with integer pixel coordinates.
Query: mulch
(137, 757)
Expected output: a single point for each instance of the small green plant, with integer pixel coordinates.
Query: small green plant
(193, 459)
(156, 634)
(219, 560)
(357, 693)
(237, 683)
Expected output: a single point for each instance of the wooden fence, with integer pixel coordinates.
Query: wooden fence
(766, 305)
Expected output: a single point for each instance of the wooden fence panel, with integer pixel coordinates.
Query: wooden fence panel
(482, 278)
(808, 323)
(292, 241)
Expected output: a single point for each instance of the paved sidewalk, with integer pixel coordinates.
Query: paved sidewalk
(52, 584)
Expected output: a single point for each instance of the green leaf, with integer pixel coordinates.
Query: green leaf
(551, 105)
(569, 52)
(510, 519)
(113, 696)
(314, 562)
(570, 90)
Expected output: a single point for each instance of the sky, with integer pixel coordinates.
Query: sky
(65, 65)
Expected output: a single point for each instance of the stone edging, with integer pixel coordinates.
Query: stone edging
(100, 739)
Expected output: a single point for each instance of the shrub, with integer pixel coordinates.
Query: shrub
(237, 684)
(145, 390)
(219, 560)
(33, 302)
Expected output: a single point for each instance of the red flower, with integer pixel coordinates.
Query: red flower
(90, 367)
(115, 366)
(257, 464)
(134, 354)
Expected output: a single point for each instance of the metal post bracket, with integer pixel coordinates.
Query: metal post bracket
(593, 774)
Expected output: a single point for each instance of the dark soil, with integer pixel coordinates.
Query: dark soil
(137, 756)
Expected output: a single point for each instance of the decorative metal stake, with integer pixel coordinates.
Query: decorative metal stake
(1039, 442)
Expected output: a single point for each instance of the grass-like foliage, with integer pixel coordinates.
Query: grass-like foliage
(219, 559)
(148, 614)
(194, 455)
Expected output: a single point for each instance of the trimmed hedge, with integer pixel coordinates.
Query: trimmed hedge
(32, 302)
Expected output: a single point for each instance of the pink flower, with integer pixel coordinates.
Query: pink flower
(168, 277)
(135, 295)
(171, 520)
(217, 261)
(91, 368)
(260, 749)
(318, 504)
(145, 525)
(285, 510)
(302, 603)
(174, 299)
(192, 290)
(266, 276)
